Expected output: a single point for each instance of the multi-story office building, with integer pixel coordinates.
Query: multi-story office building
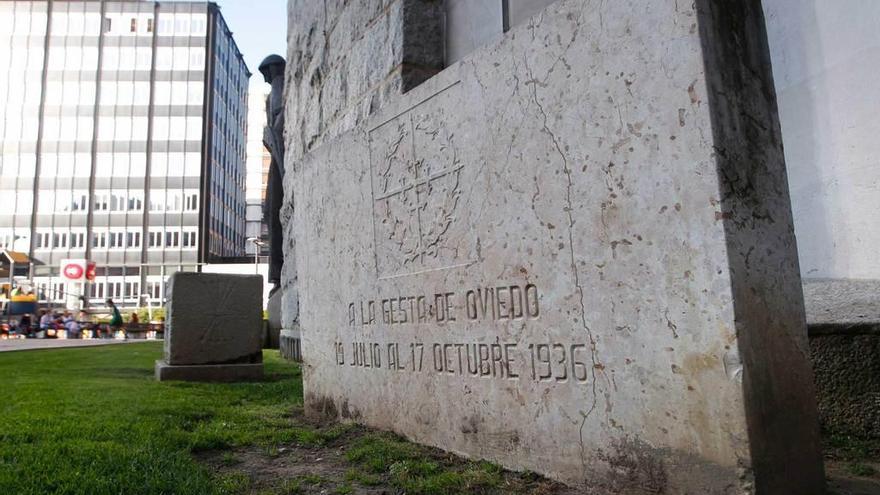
(123, 140)
(258, 161)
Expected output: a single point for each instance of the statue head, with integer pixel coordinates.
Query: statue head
(272, 67)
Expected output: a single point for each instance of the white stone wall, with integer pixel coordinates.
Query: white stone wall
(826, 55)
(618, 163)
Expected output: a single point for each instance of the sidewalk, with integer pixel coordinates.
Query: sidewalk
(37, 344)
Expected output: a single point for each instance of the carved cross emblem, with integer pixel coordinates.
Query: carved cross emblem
(417, 187)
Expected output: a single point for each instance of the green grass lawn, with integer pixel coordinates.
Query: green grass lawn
(94, 421)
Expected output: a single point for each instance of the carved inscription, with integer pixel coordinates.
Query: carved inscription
(540, 362)
(499, 303)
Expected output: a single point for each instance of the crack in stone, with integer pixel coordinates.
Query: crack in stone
(580, 290)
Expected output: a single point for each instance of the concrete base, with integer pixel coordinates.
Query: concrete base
(209, 372)
(843, 318)
(273, 308)
(291, 345)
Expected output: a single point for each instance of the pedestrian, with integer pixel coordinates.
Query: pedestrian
(72, 326)
(116, 319)
(45, 319)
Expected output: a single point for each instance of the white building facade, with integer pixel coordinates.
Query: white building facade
(123, 141)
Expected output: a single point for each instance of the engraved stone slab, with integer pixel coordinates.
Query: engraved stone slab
(214, 319)
(571, 252)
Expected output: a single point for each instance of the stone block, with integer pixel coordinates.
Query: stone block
(209, 372)
(212, 320)
(571, 252)
(844, 326)
(290, 345)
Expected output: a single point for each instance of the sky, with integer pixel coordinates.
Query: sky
(259, 28)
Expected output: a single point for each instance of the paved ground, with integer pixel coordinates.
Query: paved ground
(36, 344)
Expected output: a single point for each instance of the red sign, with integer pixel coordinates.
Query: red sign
(78, 270)
(73, 271)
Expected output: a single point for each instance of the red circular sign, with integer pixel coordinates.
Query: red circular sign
(73, 271)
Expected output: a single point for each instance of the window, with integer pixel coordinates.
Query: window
(195, 94)
(134, 25)
(108, 24)
(181, 58)
(193, 128)
(162, 93)
(193, 164)
(137, 165)
(117, 240)
(133, 240)
(192, 202)
(99, 240)
(155, 239)
(153, 289)
(101, 202)
(43, 240)
(181, 24)
(149, 25)
(59, 241)
(97, 290)
(114, 290)
(189, 240)
(110, 62)
(172, 239)
(471, 24)
(196, 58)
(131, 289)
(144, 58)
(135, 202)
(164, 59)
(160, 128)
(166, 25)
(178, 93)
(198, 24)
(77, 240)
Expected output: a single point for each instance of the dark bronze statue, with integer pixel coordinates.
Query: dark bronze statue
(272, 69)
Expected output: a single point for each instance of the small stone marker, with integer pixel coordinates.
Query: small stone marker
(213, 328)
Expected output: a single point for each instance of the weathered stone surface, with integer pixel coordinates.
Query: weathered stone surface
(836, 305)
(214, 319)
(847, 368)
(844, 325)
(572, 252)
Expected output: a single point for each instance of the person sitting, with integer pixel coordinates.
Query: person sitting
(45, 320)
(71, 325)
(24, 325)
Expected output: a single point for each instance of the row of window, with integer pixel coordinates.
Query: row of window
(69, 129)
(85, 59)
(156, 238)
(16, 19)
(119, 202)
(124, 93)
(131, 24)
(106, 165)
(118, 289)
(98, 290)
